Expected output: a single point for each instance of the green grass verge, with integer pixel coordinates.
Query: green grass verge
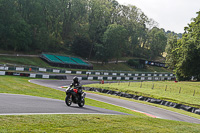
(181, 92)
(79, 123)
(92, 123)
(20, 85)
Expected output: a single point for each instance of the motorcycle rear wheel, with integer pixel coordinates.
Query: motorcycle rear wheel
(68, 100)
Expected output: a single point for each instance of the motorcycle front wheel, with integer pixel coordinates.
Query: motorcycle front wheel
(68, 100)
(82, 103)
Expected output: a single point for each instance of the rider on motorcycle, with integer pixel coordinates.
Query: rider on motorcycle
(76, 85)
(74, 94)
(75, 82)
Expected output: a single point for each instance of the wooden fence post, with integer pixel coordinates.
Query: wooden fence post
(180, 90)
(166, 88)
(152, 87)
(194, 93)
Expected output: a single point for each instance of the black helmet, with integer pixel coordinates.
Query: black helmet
(75, 79)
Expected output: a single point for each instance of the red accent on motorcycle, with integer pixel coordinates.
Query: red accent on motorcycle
(75, 90)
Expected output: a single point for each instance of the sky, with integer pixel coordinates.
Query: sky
(171, 15)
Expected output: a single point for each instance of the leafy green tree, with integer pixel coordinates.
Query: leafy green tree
(15, 32)
(130, 19)
(74, 13)
(81, 46)
(188, 61)
(99, 19)
(184, 54)
(54, 25)
(100, 54)
(157, 42)
(115, 39)
(171, 50)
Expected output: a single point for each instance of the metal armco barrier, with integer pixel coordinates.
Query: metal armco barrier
(101, 75)
(147, 99)
(32, 75)
(2, 73)
(127, 78)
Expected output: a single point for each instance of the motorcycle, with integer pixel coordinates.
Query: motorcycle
(75, 95)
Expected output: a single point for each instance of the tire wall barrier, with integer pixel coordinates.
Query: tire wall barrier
(147, 99)
(32, 75)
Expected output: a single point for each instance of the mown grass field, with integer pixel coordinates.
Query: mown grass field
(80, 123)
(92, 124)
(182, 92)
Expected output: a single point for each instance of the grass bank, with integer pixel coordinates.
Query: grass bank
(187, 93)
(36, 61)
(30, 61)
(125, 67)
(92, 123)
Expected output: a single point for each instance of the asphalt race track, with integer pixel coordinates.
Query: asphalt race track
(147, 109)
(13, 104)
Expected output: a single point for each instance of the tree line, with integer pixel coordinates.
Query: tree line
(98, 29)
(183, 55)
